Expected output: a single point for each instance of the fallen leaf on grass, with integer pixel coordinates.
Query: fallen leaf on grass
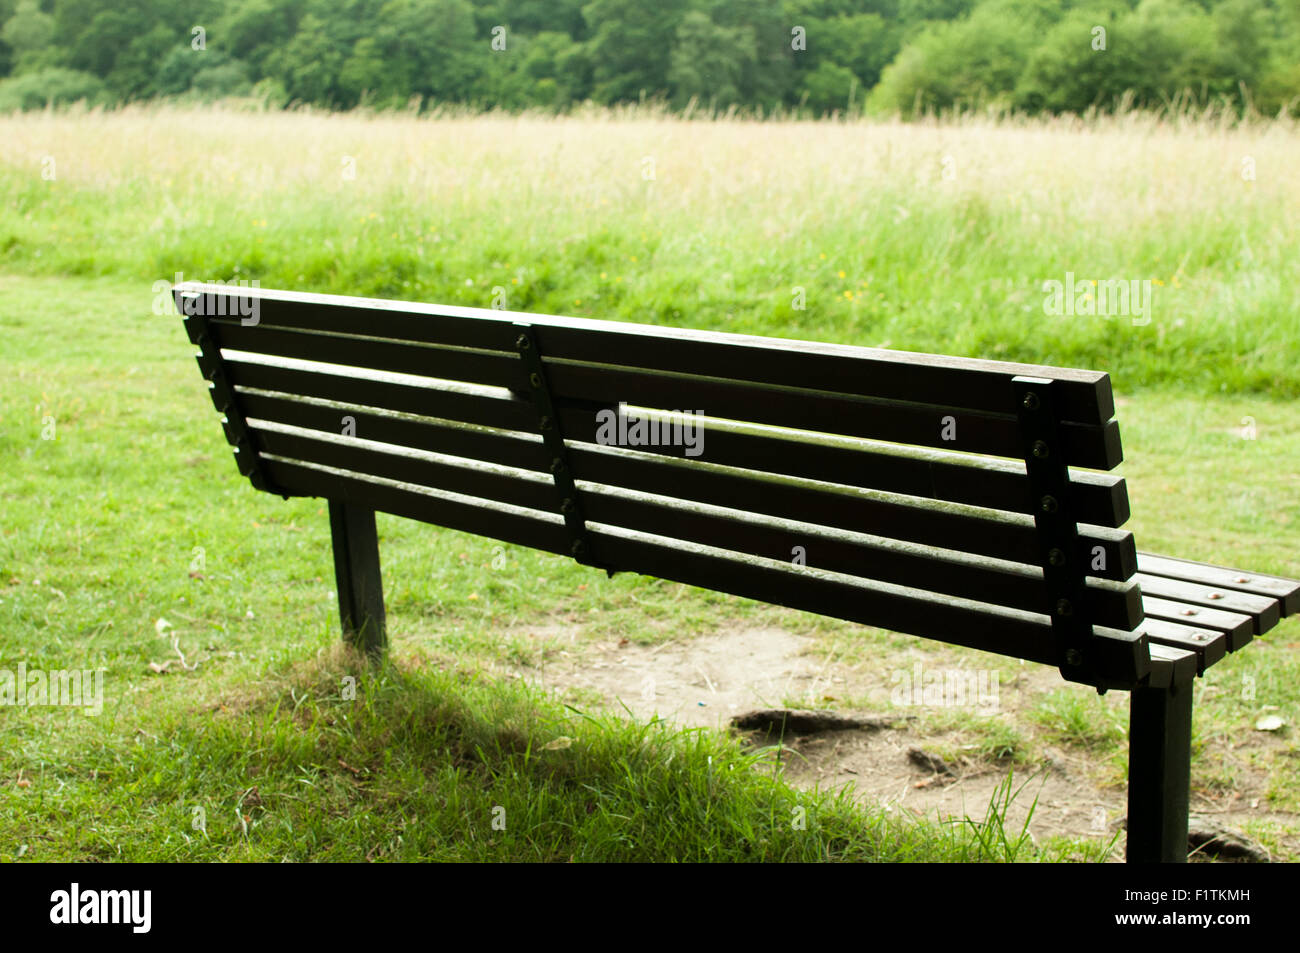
(560, 743)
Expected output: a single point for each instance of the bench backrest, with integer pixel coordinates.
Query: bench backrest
(922, 494)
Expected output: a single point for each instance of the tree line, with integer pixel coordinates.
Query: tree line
(809, 56)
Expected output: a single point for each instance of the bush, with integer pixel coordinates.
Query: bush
(969, 62)
(227, 79)
(50, 87)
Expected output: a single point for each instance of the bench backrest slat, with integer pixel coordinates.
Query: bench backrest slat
(1100, 499)
(971, 383)
(919, 421)
(1121, 654)
(841, 453)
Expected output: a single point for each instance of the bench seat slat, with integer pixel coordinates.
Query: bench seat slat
(1085, 445)
(1170, 666)
(1286, 591)
(1238, 629)
(1263, 611)
(1209, 645)
(970, 383)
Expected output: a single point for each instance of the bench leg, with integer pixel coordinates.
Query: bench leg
(1159, 773)
(356, 569)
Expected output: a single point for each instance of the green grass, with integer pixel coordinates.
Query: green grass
(1079, 720)
(420, 765)
(133, 513)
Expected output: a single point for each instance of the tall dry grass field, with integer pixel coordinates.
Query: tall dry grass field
(917, 236)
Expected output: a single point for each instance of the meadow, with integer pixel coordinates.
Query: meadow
(128, 539)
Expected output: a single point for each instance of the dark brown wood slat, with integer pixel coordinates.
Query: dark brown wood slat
(1239, 629)
(969, 383)
(1170, 665)
(470, 481)
(505, 449)
(1263, 610)
(1209, 645)
(1286, 591)
(1100, 499)
(944, 530)
(1096, 447)
(856, 513)
(499, 412)
(858, 468)
(870, 471)
(1117, 609)
(535, 532)
(738, 490)
(494, 368)
(1123, 655)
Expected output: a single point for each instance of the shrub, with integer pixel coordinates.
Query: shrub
(49, 87)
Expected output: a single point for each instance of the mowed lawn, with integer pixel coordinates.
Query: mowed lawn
(129, 538)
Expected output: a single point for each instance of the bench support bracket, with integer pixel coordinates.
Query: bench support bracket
(1058, 535)
(1159, 770)
(356, 569)
(548, 422)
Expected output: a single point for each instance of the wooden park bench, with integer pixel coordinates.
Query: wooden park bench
(927, 495)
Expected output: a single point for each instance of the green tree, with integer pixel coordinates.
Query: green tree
(631, 46)
(29, 33)
(434, 43)
(310, 63)
(964, 63)
(135, 68)
(366, 73)
(829, 88)
(710, 62)
(553, 63)
(863, 43)
(255, 31)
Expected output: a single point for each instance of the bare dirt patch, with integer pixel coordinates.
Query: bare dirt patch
(896, 761)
